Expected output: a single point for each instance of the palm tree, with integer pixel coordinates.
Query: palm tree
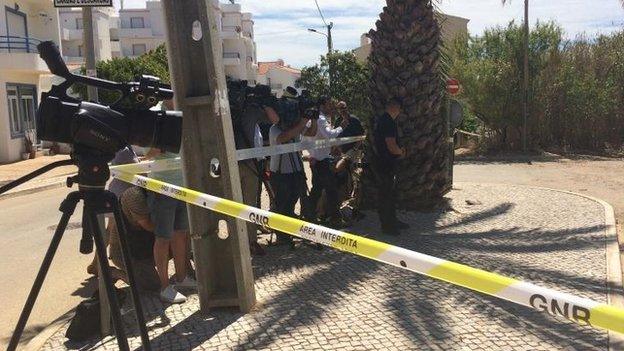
(404, 63)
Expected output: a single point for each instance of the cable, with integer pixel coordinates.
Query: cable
(320, 12)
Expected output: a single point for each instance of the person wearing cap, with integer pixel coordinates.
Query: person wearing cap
(388, 152)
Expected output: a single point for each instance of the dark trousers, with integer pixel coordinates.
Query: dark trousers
(288, 190)
(323, 178)
(386, 202)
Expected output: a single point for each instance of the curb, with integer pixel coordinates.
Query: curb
(58, 184)
(614, 258)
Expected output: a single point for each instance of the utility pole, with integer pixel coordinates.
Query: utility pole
(330, 43)
(224, 272)
(525, 100)
(88, 45)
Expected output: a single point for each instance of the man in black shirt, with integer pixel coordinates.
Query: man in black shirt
(388, 152)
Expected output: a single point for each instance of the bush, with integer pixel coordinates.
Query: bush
(575, 95)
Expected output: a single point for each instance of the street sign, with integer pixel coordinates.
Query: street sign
(452, 86)
(83, 3)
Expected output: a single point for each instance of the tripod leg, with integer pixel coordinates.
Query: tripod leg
(138, 308)
(100, 249)
(67, 207)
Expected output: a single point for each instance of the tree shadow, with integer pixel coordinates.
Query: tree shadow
(304, 289)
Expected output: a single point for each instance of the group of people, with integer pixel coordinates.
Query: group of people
(158, 225)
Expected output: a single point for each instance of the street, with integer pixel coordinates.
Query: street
(27, 240)
(26, 228)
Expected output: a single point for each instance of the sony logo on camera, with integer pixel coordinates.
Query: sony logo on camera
(99, 135)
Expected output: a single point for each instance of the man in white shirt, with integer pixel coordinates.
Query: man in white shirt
(321, 163)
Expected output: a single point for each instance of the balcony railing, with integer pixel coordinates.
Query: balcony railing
(18, 44)
(236, 29)
(231, 55)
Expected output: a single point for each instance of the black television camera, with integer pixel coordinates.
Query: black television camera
(242, 96)
(292, 109)
(104, 130)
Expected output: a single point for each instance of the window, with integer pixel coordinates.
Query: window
(21, 103)
(138, 49)
(137, 22)
(79, 23)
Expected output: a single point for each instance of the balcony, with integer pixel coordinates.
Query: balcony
(135, 33)
(21, 54)
(230, 32)
(71, 34)
(231, 58)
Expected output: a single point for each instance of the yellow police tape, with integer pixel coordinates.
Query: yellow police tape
(577, 309)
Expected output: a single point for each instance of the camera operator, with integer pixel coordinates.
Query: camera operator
(247, 135)
(140, 229)
(171, 228)
(117, 187)
(322, 164)
(347, 169)
(287, 173)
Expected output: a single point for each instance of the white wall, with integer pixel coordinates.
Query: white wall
(101, 32)
(150, 44)
(11, 148)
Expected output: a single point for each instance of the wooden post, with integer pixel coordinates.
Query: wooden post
(88, 48)
(224, 271)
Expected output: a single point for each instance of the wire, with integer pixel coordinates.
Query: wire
(320, 12)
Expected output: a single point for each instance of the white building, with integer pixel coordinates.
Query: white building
(237, 35)
(277, 75)
(71, 34)
(141, 30)
(136, 31)
(23, 75)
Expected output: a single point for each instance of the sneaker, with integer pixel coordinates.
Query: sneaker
(187, 283)
(171, 295)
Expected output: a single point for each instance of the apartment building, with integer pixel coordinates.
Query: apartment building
(23, 75)
(277, 75)
(71, 34)
(238, 45)
(451, 26)
(133, 32)
(141, 30)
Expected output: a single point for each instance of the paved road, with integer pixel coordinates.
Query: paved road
(26, 227)
(327, 300)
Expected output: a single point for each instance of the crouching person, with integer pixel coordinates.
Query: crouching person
(171, 231)
(140, 239)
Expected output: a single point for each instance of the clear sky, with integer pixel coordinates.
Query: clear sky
(281, 25)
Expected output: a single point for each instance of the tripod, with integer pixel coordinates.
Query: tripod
(93, 172)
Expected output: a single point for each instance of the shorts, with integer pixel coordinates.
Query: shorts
(167, 214)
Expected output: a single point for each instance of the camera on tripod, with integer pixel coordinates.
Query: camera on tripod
(104, 130)
(96, 133)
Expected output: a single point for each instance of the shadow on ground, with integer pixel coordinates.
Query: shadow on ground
(314, 298)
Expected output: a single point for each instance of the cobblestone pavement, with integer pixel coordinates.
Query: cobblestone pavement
(327, 300)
